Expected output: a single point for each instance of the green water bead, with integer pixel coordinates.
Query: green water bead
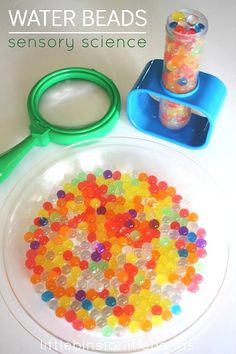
(93, 266)
(199, 267)
(75, 181)
(164, 241)
(32, 228)
(81, 176)
(98, 171)
(135, 182)
(139, 279)
(135, 235)
(55, 217)
(107, 331)
(167, 211)
(102, 265)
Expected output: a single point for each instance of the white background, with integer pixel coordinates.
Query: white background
(21, 68)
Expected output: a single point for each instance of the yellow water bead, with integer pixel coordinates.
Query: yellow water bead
(114, 292)
(161, 279)
(68, 188)
(165, 303)
(131, 257)
(58, 261)
(83, 226)
(39, 259)
(82, 314)
(64, 301)
(144, 294)
(134, 326)
(134, 299)
(115, 249)
(72, 280)
(113, 263)
(112, 321)
(139, 315)
(68, 244)
(99, 303)
(75, 271)
(146, 305)
(95, 203)
(101, 236)
(157, 321)
(43, 213)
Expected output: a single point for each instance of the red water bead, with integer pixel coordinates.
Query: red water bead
(162, 185)
(151, 264)
(47, 206)
(191, 31)
(43, 240)
(103, 188)
(124, 288)
(91, 177)
(90, 210)
(57, 270)
(78, 325)
(153, 188)
(69, 196)
(38, 233)
(83, 265)
(38, 269)
(70, 315)
(152, 179)
(175, 225)
(180, 244)
(55, 226)
(107, 245)
(37, 221)
(130, 268)
(91, 237)
(104, 293)
(117, 311)
(124, 231)
(129, 309)
(83, 185)
(116, 175)
(67, 255)
(183, 213)
(180, 29)
(156, 310)
(30, 263)
(111, 198)
(72, 223)
(106, 255)
(31, 253)
(176, 198)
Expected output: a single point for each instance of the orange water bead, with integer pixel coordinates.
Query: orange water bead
(122, 276)
(63, 210)
(52, 275)
(42, 250)
(155, 255)
(191, 247)
(92, 227)
(110, 214)
(146, 325)
(59, 291)
(35, 278)
(192, 217)
(137, 199)
(29, 236)
(91, 218)
(58, 240)
(122, 241)
(109, 273)
(171, 191)
(75, 261)
(60, 311)
(146, 284)
(51, 285)
(124, 319)
(160, 195)
(120, 200)
(166, 315)
(139, 207)
(190, 270)
(64, 230)
(89, 323)
(186, 280)
(61, 202)
(142, 176)
(91, 294)
(70, 291)
(192, 258)
(173, 278)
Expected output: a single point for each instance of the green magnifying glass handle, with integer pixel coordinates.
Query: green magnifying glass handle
(10, 159)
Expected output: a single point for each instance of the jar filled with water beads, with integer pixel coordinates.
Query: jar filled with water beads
(185, 34)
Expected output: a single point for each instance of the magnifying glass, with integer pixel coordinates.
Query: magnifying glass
(43, 131)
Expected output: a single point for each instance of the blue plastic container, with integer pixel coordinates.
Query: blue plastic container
(206, 100)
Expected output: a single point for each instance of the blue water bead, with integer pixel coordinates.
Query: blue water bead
(182, 81)
(47, 296)
(183, 253)
(110, 301)
(175, 309)
(87, 304)
(199, 27)
(192, 237)
(173, 24)
(43, 221)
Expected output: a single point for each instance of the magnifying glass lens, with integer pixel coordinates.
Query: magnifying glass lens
(74, 104)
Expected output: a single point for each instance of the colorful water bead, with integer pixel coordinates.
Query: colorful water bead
(115, 252)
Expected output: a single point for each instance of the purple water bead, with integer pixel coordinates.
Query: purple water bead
(129, 223)
(100, 247)
(95, 256)
(61, 194)
(101, 210)
(133, 213)
(107, 174)
(80, 295)
(34, 245)
(154, 224)
(201, 243)
(183, 230)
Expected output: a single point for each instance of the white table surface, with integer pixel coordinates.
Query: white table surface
(22, 67)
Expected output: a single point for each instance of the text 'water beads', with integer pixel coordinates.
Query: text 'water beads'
(114, 251)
